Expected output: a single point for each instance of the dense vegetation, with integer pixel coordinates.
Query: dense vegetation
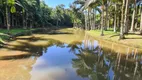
(34, 13)
(123, 16)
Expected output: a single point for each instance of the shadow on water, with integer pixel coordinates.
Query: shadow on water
(30, 48)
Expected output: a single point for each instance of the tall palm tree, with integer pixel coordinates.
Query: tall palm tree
(102, 21)
(7, 16)
(115, 11)
(115, 18)
(125, 17)
(88, 6)
(10, 7)
(94, 4)
(122, 21)
(133, 16)
(141, 21)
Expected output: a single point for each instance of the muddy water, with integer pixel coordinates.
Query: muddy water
(70, 55)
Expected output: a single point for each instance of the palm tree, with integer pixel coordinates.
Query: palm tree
(10, 7)
(87, 13)
(88, 6)
(122, 21)
(125, 18)
(7, 16)
(102, 21)
(133, 17)
(141, 22)
(94, 4)
(74, 46)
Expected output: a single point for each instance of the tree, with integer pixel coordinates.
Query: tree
(93, 3)
(122, 21)
(141, 23)
(9, 3)
(133, 17)
(125, 17)
(115, 18)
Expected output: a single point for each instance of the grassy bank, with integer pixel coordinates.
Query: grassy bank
(4, 32)
(12, 31)
(133, 40)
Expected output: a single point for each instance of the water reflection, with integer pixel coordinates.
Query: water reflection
(55, 65)
(103, 65)
(84, 61)
(88, 59)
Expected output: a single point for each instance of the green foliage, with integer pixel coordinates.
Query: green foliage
(37, 13)
(11, 2)
(13, 9)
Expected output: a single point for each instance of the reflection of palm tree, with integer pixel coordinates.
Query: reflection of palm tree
(81, 69)
(55, 42)
(74, 46)
(86, 64)
(93, 66)
(97, 65)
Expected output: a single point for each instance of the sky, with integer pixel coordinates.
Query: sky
(54, 3)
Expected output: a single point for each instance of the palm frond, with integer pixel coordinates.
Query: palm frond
(89, 2)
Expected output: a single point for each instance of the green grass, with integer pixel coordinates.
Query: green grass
(107, 34)
(134, 40)
(12, 31)
(3, 32)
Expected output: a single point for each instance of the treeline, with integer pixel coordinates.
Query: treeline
(34, 13)
(124, 16)
(121, 15)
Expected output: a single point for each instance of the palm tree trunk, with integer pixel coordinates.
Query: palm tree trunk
(141, 23)
(94, 17)
(108, 25)
(26, 19)
(12, 20)
(90, 16)
(122, 21)
(136, 21)
(7, 17)
(4, 18)
(88, 20)
(115, 19)
(85, 20)
(133, 18)
(23, 21)
(136, 25)
(118, 22)
(125, 18)
(102, 21)
(106, 19)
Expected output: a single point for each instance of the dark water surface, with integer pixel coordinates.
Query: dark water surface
(74, 56)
